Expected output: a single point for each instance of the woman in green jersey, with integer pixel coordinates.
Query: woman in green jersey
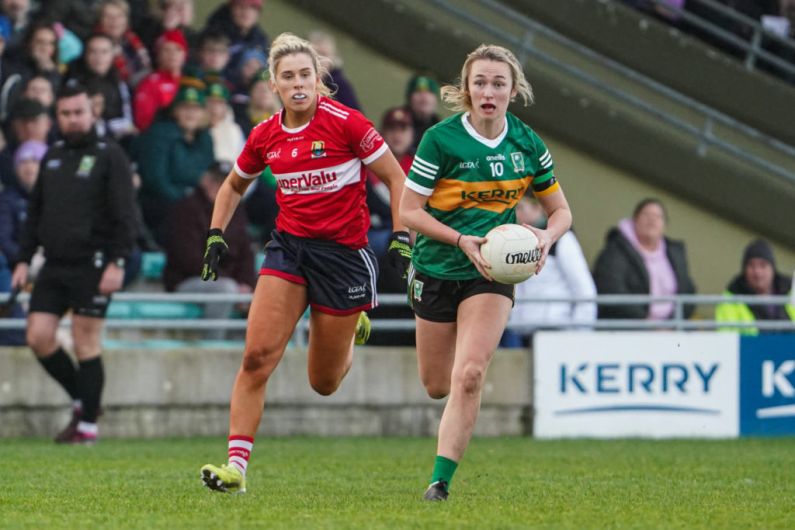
(467, 177)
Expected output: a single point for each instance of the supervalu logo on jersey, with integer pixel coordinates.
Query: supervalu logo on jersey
(665, 384)
(767, 385)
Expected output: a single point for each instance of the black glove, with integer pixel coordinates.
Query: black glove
(399, 251)
(216, 249)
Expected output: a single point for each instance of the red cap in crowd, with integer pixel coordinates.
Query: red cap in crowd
(173, 35)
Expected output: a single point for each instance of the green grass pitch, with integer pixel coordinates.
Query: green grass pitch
(318, 483)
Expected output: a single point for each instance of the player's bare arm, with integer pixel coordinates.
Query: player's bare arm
(228, 199)
(559, 221)
(387, 169)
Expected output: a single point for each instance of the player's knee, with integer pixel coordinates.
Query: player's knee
(437, 389)
(325, 386)
(470, 379)
(42, 342)
(259, 360)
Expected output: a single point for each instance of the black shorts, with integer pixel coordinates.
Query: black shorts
(60, 287)
(437, 300)
(338, 279)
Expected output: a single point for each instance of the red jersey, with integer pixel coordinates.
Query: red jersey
(319, 171)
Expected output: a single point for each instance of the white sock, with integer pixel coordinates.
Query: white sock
(87, 428)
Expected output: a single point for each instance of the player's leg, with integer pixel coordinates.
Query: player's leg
(275, 309)
(330, 351)
(434, 303)
(435, 355)
(48, 302)
(87, 336)
(481, 320)
(341, 285)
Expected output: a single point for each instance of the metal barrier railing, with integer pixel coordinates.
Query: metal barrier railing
(678, 322)
(705, 132)
(753, 48)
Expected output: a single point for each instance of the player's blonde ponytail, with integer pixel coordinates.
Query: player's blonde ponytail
(457, 96)
(288, 44)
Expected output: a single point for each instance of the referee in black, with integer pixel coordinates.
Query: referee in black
(81, 214)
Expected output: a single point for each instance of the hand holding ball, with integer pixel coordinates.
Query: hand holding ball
(513, 253)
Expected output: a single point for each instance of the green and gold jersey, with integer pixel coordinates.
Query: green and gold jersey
(473, 184)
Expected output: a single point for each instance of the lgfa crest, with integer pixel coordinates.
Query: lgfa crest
(318, 149)
(518, 162)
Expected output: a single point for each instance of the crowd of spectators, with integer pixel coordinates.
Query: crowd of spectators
(181, 103)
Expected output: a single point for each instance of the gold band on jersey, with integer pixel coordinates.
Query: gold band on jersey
(494, 196)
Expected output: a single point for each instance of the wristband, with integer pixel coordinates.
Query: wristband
(458, 241)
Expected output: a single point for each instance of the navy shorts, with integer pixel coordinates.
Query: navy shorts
(437, 300)
(339, 280)
(60, 287)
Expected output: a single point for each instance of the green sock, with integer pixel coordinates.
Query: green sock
(443, 469)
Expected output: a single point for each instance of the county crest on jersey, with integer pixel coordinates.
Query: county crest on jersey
(473, 184)
(319, 170)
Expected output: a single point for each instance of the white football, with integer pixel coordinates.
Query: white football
(512, 252)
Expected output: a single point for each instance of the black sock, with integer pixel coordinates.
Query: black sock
(62, 369)
(91, 379)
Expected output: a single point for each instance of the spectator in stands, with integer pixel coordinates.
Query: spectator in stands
(258, 105)
(80, 212)
(39, 58)
(639, 259)
(13, 210)
(40, 88)
(252, 62)
(326, 46)
(397, 130)
(228, 139)
(97, 71)
(168, 15)
(565, 275)
(28, 121)
(422, 99)
(189, 219)
(213, 53)
(238, 20)
(16, 15)
(171, 156)
(758, 276)
(132, 58)
(157, 90)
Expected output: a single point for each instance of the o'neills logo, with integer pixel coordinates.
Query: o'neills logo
(307, 181)
(515, 258)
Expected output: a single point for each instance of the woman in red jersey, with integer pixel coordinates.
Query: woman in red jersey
(317, 150)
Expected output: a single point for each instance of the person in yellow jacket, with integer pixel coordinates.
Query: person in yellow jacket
(758, 276)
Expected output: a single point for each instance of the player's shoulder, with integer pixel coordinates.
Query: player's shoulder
(517, 127)
(266, 129)
(450, 128)
(336, 111)
(450, 124)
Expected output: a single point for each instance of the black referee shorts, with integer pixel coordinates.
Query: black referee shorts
(338, 279)
(60, 287)
(437, 300)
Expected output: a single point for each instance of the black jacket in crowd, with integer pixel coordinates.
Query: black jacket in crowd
(620, 270)
(82, 203)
